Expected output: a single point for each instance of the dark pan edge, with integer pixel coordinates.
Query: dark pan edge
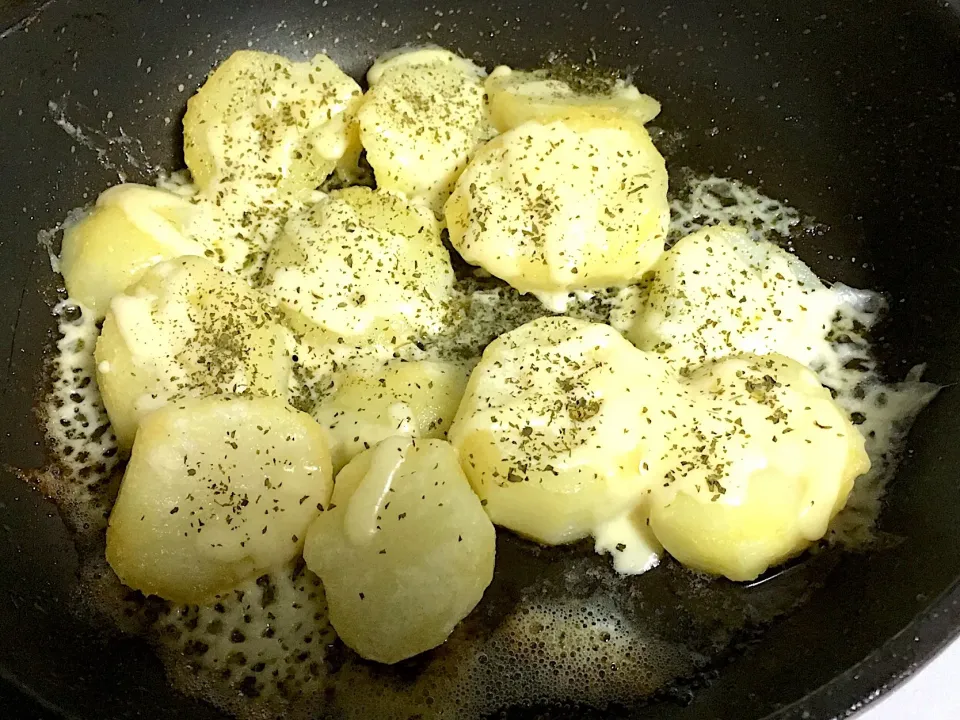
(886, 669)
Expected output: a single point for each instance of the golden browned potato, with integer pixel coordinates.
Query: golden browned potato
(216, 491)
(562, 427)
(764, 459)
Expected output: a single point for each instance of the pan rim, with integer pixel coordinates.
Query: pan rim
(885, 669)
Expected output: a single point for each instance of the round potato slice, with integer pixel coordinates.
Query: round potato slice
(131, 228)
(405, 551)
(562, 426)
(515, 96)
(764, 459)
(361, 262)
(187, 329)
(578, 203)
(216, 491)
(421, 119)
(264, 119)
(417, 398)
(717, 293)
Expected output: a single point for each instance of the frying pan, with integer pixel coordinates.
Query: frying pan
(850, 111)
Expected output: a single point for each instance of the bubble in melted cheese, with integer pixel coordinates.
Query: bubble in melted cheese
(717, 292)
(573, 204)
(187, 329)
(422, 118)
(131, 228)
(362, 262)
(560, 423)
(517, 96)
(761, 460)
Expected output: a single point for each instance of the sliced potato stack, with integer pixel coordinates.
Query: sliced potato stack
(131, 228)
(187, 329)
(577, 203)
(418, 399)
(216, 491)
(421, 120)
(563, 426)
(260, 137)
(732, 462)
(405, 551)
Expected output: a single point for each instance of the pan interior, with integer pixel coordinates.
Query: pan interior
(832, 157)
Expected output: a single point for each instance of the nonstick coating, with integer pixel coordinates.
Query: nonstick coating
(848, 110)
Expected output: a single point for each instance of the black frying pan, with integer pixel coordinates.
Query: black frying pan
(851, 111)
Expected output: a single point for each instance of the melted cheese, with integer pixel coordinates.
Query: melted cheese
(629, 541)
(187, 329)
(361, 262)
(264, 119)
(259, 137)
(401, 398)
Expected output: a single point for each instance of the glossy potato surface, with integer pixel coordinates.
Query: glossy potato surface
(405, 551)
(216, 491)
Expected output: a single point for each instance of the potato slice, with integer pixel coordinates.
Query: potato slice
(717, 293)
(418, 399)
(269, 121)
(187, 329)
(131, 228)
(420, 121)
(362, 262)
(217, 490)
(516, 96)
(764, 459)
(562, 427)
(405, 551)
(575, 204)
